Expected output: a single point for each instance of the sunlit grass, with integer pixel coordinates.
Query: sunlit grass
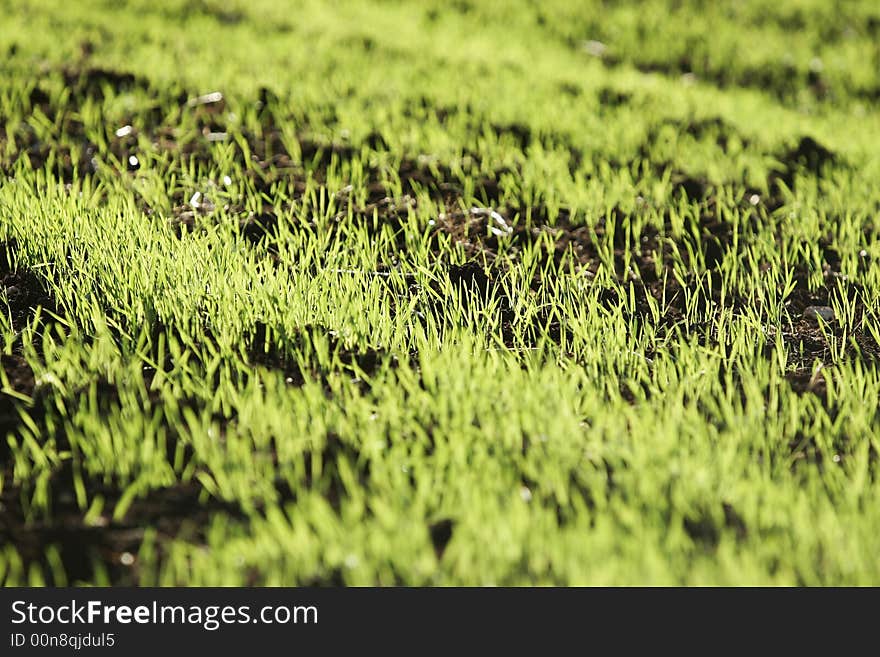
(642, 403)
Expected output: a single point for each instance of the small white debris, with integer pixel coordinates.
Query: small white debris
(754, 199)
(502, 229)
(500, 220)
(126, 558)
(595, 48)
(863, 253)
(124, 131)
(133, 161)
(836, 458)
(206, 99)
(194, 201)
(525, 494)
(217, 136)
(227, 181)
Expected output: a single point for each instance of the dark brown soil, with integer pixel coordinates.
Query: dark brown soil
(23, 293)
(181, 511)
(441, 533)
(22, 290)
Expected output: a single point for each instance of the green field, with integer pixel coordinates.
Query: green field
(439, 293)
